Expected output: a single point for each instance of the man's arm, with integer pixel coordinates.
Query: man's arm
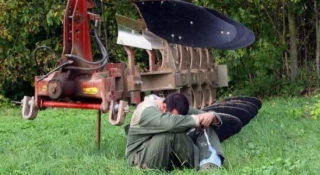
(154, 121)
(194, 111)
(216, 120)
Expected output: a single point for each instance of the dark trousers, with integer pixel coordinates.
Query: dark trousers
(178, 150)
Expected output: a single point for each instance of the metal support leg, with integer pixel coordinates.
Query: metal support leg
(98, 137)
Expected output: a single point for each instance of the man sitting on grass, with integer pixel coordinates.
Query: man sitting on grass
(166, 134)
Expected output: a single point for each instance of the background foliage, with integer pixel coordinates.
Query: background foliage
(262, 69)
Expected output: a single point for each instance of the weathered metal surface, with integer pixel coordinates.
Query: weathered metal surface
(204, 59)
(98, 130)
(94, 87)
(212, 92)
(195, 59)
(210, 60)
(183, 79)
(117, 112)
(156, 42)
(206, 95)
(223, 76)
(129, 37)
(185, 58)
(61, 86)
(29, 108)
(76, 37)
(136, 25)
(197, 96)
(187, 91)
(158, 81)
(152, 60)
(134, 81)
(169, 57)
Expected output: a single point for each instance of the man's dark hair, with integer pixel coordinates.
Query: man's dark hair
(178, 102)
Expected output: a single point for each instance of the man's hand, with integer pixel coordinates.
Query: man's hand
(206, 119)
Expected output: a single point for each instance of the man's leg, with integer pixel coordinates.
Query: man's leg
(167, 150)
(203, 143)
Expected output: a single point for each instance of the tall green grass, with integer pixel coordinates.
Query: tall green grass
(62, 141)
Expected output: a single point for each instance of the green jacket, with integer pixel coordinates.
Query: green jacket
(147, 120)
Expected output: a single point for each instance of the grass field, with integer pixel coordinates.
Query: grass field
(62, 141)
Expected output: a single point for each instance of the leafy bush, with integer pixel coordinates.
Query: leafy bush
(314, 111)
(4, 102)
(24, 25)
(267, 84)
(311, 111)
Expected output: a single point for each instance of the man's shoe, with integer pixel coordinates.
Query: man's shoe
(208, 166)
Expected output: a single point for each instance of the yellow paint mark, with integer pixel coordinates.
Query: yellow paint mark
(90, 91)
(44, 88)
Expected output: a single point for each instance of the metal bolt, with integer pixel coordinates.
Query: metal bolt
(53, 89)
(116, 107)
(139, 82)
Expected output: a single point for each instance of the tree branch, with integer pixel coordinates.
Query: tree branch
(307, 37)
(274, 25)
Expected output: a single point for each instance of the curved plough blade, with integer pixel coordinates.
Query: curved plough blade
(240, 113)
(257, 102)
(252, 110)
(235, 112)
(186, 24)
(244, 37)
(231, 125)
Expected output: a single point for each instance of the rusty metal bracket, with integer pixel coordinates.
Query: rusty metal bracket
(195, 58)
(185, 58)
(152, 60)
(169, 57)
(187, 91)
(117, 112)
(29, 109)
(197, 96)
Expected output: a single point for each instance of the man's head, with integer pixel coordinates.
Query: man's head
(176, 103)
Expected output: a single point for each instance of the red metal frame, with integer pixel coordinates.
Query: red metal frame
(82, 89)
(76, 38)
(71, 105)
(76, 84)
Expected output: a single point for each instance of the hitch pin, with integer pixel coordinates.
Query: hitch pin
(16, 102)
